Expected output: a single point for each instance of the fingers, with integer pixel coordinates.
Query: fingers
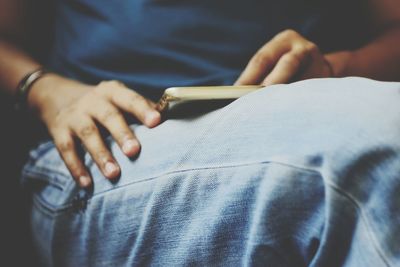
(78, 120)
(264, 60)
(134, 103)
(66, 148)
(285, 57)
(287, 67)
(90, 137)
(112, 119)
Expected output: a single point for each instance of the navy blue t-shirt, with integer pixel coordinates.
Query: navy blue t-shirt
(154, 44)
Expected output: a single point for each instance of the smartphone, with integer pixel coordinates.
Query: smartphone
(177, 95)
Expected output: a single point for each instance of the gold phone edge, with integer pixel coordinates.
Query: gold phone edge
(164, 102)
(166, 98)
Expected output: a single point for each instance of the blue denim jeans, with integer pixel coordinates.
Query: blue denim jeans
(306, 174)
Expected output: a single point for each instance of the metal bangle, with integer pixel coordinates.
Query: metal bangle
(24, 87)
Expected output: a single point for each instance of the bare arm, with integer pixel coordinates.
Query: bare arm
(380, 59)
(14, 63)
(289, 54)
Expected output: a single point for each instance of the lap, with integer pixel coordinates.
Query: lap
(217, 185)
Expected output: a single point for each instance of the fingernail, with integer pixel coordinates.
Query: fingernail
(130, 146)
(84, 181)
(152, 118)
(110, 169)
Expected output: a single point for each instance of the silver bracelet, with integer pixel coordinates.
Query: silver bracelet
(24, 87)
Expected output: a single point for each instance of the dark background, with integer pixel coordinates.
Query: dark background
(18, 134)
(15, 139)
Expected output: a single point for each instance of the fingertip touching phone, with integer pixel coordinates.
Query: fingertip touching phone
(177, 95)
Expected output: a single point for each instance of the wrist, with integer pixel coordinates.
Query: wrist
(39, 90)
(52, 92)
(25, 85)
(340, 63)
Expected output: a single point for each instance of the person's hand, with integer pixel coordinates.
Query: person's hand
(286, 58)
(72, 111)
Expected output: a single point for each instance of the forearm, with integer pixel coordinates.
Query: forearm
(14, 65)
(379, 59)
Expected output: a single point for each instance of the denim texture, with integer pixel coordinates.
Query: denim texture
(306, 174)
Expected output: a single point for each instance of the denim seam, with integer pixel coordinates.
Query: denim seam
(43, 170)
(42, 174)
(47, 208)
(207, 168)
(364, 218)
(69, 205)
